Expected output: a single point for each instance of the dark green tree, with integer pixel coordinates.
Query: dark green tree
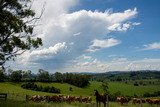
(58, 77)
(26, 75)
(105, 87)
(43, 76)
(17, 21)
(1, 75)
(16, 76)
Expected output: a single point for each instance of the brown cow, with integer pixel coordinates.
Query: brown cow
(123, 100)
(54, 98)
(138, 101)
(36, 98)
(71, 99)
(78, 99)
(58, 98)
(153, 101)
(87, 99)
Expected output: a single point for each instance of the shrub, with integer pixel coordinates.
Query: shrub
(155, 94)
(136, 84)
(33, 86)
(113, 97)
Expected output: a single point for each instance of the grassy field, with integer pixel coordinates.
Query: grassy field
(130, 89)
(125, 89)
(15, 103)
(16, 94)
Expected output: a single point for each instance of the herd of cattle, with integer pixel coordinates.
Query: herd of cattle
(69, 99)
(125, 100)
(58, 98)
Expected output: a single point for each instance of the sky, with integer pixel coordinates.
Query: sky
(94, 36)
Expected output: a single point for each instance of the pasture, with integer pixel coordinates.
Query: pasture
(16, 94)
(125, 89)
(13, 103)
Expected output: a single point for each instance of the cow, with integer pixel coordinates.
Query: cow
(123, 100)
(138, 101)
(71, 99)
(36, 98)
(153, 101)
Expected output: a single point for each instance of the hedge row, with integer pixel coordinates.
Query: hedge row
(35, 87)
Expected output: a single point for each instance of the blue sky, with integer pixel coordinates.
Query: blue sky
(146, 33)
(95, 36)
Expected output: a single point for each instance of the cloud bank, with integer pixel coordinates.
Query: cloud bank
(116, 64)
(67, 35)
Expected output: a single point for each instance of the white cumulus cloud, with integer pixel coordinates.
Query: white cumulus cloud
(122, 27)
(67, 36)
(98, 44)
(49, 51)
(152, 46)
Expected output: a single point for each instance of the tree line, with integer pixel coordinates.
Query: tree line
(126, 75)
(79, 80)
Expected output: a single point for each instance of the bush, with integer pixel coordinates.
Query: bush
(113, 97)
(33, 86)
(136, 84)
(146, 94)
(155, 94)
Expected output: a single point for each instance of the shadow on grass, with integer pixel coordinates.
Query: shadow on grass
(15, 103)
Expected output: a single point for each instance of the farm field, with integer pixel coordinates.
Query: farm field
(12, 103)
(125, 89)
(16, 94)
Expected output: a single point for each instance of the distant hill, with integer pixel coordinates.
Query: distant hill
(126, 75)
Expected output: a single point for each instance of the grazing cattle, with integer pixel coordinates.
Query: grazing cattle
(78, 99)
(87, 99)
(58, 98)
(153, 101)
(138, 101)
(52, 98)
(123, 100)
(71, 99)
(46, 98)
(36, 98)
(65, 98)
(100, 98)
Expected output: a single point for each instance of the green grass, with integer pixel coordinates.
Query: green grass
(15, 103)
(16, 94)
(125, 89)
(130, 89)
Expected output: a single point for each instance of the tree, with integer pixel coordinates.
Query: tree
(58, 77)
(16, 76)
(105, 87)
(17, 21)
(43, 76)
(1, 75)
(26, 75)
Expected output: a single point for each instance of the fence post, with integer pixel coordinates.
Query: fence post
(6, 97)
(107, 101)
(27, 98)
(141, 101)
